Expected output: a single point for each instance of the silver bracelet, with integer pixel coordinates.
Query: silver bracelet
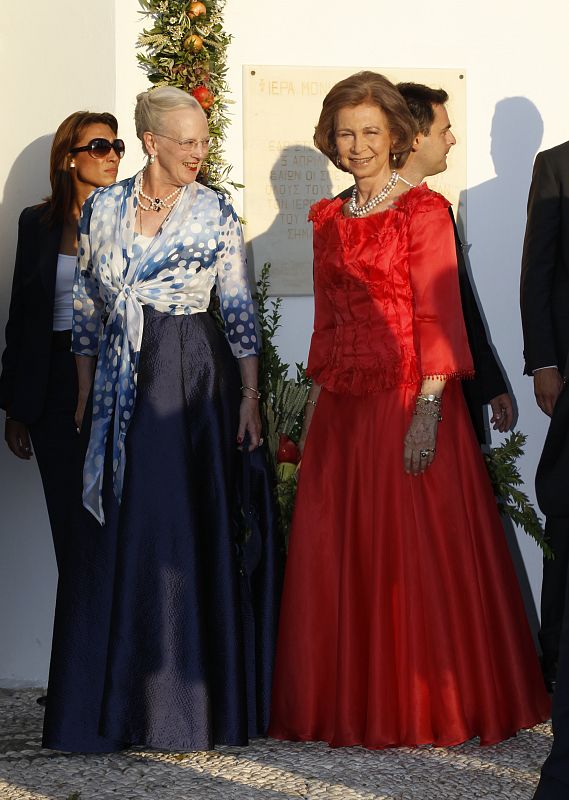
(429, 398)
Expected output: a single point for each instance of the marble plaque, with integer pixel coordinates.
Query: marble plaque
(285, 174)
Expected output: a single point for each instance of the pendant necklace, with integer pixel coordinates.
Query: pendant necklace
(360, 211)
(157, 203)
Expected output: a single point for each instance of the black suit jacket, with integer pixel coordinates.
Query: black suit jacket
(488, 381)
(552, 476)
(545, 263)
(26, 359)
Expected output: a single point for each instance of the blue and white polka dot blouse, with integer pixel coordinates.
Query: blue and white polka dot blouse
(200, 243)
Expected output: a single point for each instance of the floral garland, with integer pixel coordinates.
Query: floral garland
(186, 46)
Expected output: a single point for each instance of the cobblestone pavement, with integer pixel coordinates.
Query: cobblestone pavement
(266, 770)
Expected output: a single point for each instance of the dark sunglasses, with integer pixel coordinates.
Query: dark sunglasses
(99, 148)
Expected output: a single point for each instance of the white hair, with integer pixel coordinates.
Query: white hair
(152, 105)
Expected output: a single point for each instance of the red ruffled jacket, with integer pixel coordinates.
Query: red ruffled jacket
(387, 297)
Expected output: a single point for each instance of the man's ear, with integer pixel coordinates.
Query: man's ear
(417, 142)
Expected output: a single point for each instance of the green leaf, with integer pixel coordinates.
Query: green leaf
(513, 502)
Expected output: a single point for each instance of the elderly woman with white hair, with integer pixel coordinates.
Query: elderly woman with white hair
(149, 642)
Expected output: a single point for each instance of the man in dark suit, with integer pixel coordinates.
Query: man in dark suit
(552, 485)
(545, 320)
(429, 157)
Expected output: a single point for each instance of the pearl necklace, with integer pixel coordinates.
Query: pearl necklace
(157, 203)
(359, 211)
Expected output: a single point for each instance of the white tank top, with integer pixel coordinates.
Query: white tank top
(63, 303)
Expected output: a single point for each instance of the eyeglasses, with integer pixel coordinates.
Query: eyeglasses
(187, 145)
(99, 148)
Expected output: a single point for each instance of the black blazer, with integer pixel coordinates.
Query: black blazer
(488, 381)
(545, 263)
(552, 476)
(26, 359)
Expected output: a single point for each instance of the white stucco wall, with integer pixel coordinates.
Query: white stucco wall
(56, 58)
(83, 60)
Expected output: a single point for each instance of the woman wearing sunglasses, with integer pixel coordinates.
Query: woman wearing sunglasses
(38, 384)
(151, 646)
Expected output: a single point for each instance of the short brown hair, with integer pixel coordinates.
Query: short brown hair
(365, 87)
(420, 100)
(66, 136)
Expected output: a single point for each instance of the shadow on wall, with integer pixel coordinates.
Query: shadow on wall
(27, 569)
(298, 178)
(27, 184)
(498, 206)
(497, 211)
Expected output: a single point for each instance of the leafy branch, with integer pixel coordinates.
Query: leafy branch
(185, 45)
(283, 399)
(506, 480)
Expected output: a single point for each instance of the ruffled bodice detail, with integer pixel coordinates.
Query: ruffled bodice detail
(387, 302)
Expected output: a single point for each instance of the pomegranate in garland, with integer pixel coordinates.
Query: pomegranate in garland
(287, 451)
(204, 97)
(193, 42)
(197, 9)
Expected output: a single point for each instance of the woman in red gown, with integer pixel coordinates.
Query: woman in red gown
(402, 621)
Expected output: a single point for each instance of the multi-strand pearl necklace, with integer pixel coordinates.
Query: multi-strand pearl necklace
(157, 203)
(360, 211)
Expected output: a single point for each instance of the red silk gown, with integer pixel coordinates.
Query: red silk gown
(402, 621)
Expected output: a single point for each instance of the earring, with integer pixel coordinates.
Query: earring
(151, 159)
(72, 164)
(338, 160)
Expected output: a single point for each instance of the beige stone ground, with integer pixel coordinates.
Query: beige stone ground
(267, 770)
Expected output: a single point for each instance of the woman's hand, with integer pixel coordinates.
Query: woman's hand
(18, 439)
(308, 414)
(85, 373)
(80, 411)
(249, 422)
(420, 444)
(309, 410)
(421, 438)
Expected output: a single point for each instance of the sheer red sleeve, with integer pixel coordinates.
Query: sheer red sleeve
(440, 334)
(323, 335)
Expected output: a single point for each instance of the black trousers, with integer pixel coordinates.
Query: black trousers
(55, 442)
(554, 781)
(553, 591)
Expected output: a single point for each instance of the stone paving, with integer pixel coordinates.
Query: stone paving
(266, 770)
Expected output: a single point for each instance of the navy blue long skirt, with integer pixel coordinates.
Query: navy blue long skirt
(166, 616)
